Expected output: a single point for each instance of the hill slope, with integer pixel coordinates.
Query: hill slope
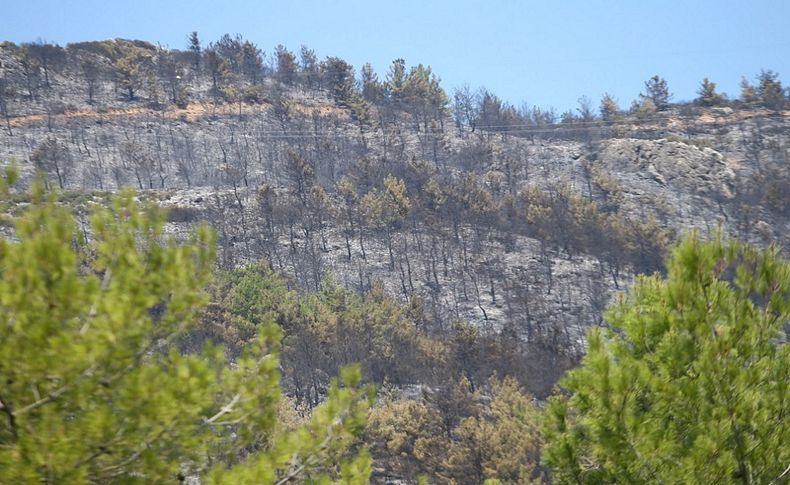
(520, 224)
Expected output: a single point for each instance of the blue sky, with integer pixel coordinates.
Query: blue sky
(547, 53)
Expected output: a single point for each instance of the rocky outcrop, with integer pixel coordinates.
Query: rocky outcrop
(677, 164)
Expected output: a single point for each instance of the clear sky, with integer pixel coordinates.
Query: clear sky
(547, 53)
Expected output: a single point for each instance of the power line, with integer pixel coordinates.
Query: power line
(505, 129)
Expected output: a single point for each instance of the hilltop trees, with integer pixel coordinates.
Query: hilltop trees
(372, 88)
(657, 91)
(748, 95)
(423, 95)
(129, 63)
(609, 109)
(230, 49)
(308, 62)
(708, 95)
(286, 64)
(131, 67)
(30, 70)
(49, 57)
(93, 389)
(396, 78)
(416, 91)
(218, 68)
(493, 113)
(251, 61)
(235, 66)
(171, 72)
(691, 382)
(770, 91)
(338, 76)
(512, 227)
(193, 46)
(238, 66)
(465, 107)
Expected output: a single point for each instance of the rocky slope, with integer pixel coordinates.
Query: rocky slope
(530, 231)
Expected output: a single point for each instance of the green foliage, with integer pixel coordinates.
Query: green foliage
(501, 442)
(241, 302)
(287, 68)
(230, 48)
(564, 218)
(50, 57)
(339, 78)
(219, 69)
(323, 332)
(317, 451)
(645, 108)
(708, 95)
(691, 383)
(396, 78)
(373, 90)
(610, 111)
(770, 91)
(657, 91)
(418, 91)
(132, 68)
(749, 96)
(131, 60)
(389, 207)
(193, 46)
(93, 389)
(251, 61)
(423, 92)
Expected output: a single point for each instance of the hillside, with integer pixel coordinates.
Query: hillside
(517, 222)
(457, 247)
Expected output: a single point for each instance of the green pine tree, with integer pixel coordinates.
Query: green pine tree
(770, 91)
(92, 389)
(690, 385)
(708, 95)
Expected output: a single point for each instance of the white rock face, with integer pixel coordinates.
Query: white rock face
(683, 166)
